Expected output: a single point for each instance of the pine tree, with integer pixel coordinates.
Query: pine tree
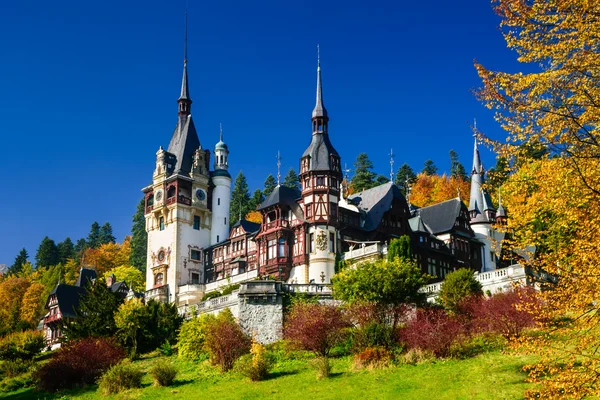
(93, 239)
(291, 180)
(47, 254)
(270, 185)
(240, 198)
(364, 177)
(381, 179)
(20, 260)
(256, 200)
(405, 177)
(457, 170)
(106, 234)
(66, 250)
(139, 239)
(80, 246)
(429, 168)
(94, 314)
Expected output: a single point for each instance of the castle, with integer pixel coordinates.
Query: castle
(193, 247)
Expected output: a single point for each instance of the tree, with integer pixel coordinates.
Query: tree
(80, 247)
(399, 247)
(20, 260)
(497, 175)
(457, 286)
(32, 305)
(47, 253)
(66, 250)
(109, 256)
(240, 198)
(405, 177)
(256, 200)
(389, 283)
(129, 275)
(139, 239)
(106, 234)
(433, 189)
(381, 179)
(162, 325)
(270, 185)
(94, 314)
(364, 177)
(291, 180)
(93, 239)
(254, 216)
(12, 291)
(225, 341)
(429, 168)
(129, 319)
(457, 170)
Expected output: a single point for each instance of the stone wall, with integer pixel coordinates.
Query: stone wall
(260, 311)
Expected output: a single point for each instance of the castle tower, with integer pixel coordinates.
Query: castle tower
(221, 195)
(483, 216)
(176, 206)
(320, 177)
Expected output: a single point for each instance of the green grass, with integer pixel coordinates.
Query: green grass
(488, 376)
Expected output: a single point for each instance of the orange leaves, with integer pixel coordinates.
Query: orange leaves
(432, 189)
(254, 216)
(108, 256)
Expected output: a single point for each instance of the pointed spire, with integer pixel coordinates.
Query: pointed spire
(319, 110)
(278, 168)
(391, 165)
(185, 99)
(477, 167)
(220, 131)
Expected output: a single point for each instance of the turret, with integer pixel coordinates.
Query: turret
(221, 195)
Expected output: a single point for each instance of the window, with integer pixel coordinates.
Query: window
(161, 223)
(219, 201)
(309, 210)
(312, 242)
(195, 255)
(281, 249)
(217, 238)
(195, 279)
(196, 222)
(320, 181)
(333, 209)
(225, 221)
(158, 279)
(271, 249)
(332, 242)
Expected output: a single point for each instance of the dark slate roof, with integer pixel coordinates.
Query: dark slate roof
(281, 195)
(68, 298)
(117, 286)
(373, 203)
(417, 225)
(249, 227)
(501, 212)
(441, 217)
(86, 275)
(183, 144)
(220, 172)
(320, 150)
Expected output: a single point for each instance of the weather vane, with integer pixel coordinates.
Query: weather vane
(278, 168)
(391, 165)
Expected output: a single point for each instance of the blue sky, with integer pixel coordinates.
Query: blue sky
(88, 93)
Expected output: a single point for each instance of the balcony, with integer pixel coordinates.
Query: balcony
(53, 318)
(310, 288)
(160, 294)
(365, 251)
(149, 209)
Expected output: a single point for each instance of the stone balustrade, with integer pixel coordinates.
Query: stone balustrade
(365, 251)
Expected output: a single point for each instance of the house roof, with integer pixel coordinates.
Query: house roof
(375, 202)
(249, 227)
(68, 297)
(442, 216)
(281, 195)
(320, 150)
(86, 275)
(184, 143)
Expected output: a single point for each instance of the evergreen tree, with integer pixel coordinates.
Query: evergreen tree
(20, 260)
(429, 168)
(405, 177)
(381, 179)
(106, 234)
(457, 170)
(80, 246)
(93, 239)
(66, 250)
(240, 198)
(94, 314)
(291, 180)
(139, 239)
(47, 254)
(399, 247)
(256, 200)
(364, 177)
(270, 185)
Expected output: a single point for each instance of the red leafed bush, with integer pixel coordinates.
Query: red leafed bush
(372, 357)
(506, 313)
(225, 341)
(432, 330)
(79, 363)
(315, 327)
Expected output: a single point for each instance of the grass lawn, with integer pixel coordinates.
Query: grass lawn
(488, 376)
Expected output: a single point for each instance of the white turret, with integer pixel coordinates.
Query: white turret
(221, 195)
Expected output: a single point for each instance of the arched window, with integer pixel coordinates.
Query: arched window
(158, 279)
(281, 247)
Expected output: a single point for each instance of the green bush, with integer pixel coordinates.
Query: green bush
(211, 295)
(163, 373)
(371, 335)
(22, 345)
(323, 367)
(16, 383)
(192, 337)
(458, 285)
(229, 289)
(475, 345)
(166, 349)
(120, 377)
(12, 368)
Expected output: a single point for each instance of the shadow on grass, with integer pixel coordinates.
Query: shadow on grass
(279, 374)
(181, 382)
(31, 393)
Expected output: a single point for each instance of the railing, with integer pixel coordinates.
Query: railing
(307, 288)
(52, 318)
(363, 251)
(246, 276)
(157, 292)
(218, 303)
(277, 223)
(185, 200)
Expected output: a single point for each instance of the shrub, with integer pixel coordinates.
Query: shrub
(323, 367)
(432, 330)
(225, 341)
(12, 368)
(416, 356)
(373, 357)
(229, 289)
(79, 363)
(22, 345)
(163, 373)
(315, 327)
(211, 295)
(120, 377)
(192, 336)
(482, 343)
(372, 335)
(257, 364)
(15, 383)
(166, 349)
(457, 286)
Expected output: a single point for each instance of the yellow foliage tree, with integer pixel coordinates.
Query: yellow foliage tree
(108, 256)
(254, 216)
(12, 291)
(433, 189)
(130, 275)
(32, 305)
(553, 203)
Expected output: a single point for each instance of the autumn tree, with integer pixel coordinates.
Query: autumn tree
(270, 185)
(555, 108)
(364, 177)
(254, 216)
(139, 239)
(291, 179)
(240, 198)
(429, 168)
(20, 260)
(12, 291)
(433, 189)
(32, 305)
(47, 253)
(109, 255)
(405, 177)
(129, 319)
(130, 275)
